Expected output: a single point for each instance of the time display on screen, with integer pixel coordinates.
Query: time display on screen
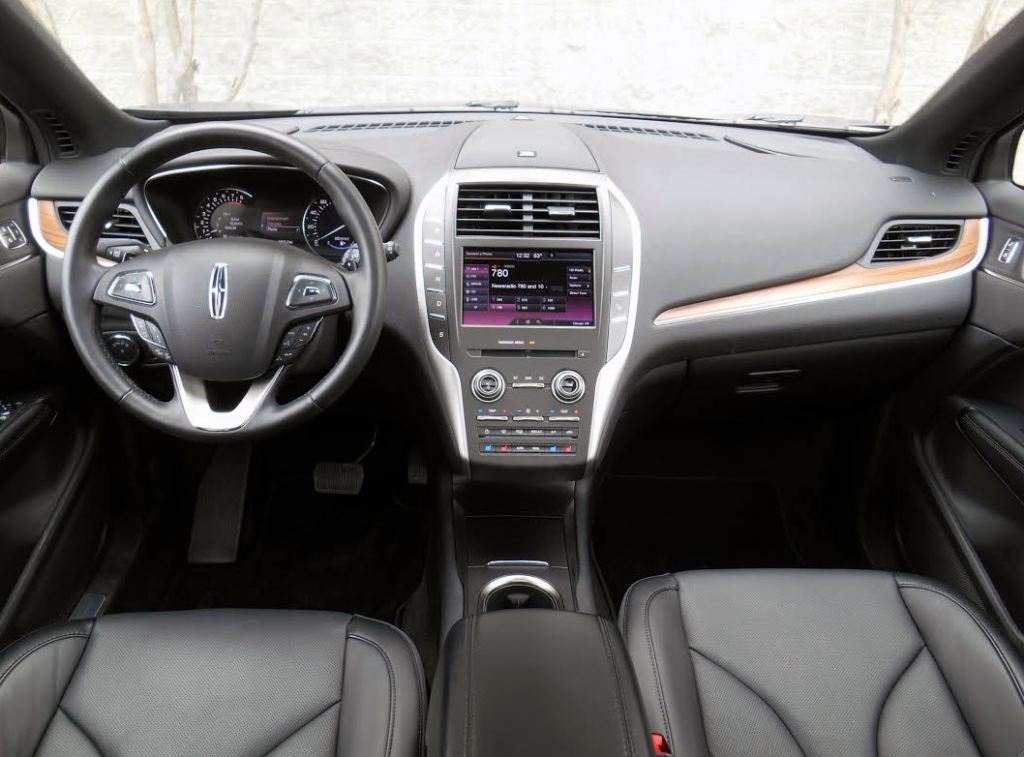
(513, 287)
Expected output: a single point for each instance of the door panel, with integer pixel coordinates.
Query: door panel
(965, 428)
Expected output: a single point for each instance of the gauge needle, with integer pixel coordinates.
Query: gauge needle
(332, 232)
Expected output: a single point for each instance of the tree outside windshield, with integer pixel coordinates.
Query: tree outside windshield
(870, 61)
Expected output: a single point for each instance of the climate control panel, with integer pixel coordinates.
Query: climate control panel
(537, 413)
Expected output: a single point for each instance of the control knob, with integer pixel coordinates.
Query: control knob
(488, 385)
(568, 387)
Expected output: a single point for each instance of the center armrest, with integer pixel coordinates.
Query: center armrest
(535, 682)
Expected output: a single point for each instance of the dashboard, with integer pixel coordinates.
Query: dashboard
(563, 276)
(267, 202)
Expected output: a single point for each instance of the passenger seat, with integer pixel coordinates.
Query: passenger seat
(798, 663)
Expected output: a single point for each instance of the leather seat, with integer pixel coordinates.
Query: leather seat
(219, 683)
(821, 663)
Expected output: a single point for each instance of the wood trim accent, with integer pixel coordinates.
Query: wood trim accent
(49, 223)
(855, 276)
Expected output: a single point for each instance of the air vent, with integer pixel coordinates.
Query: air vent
(650, 132)
(915, 241)
(960, 157)
(383, 125)
(502, 210)
(59, 135)
(123, 225)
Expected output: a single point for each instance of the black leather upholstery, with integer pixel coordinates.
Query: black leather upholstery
(224, 683)
(844, 663)
(534, 683)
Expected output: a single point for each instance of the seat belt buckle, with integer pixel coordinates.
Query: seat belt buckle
(660, 744)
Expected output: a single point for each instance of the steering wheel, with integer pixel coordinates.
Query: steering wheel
(223, 310)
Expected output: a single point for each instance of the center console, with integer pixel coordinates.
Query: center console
(528, 282)
(536, 682)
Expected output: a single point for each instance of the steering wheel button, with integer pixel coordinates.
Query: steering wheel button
(310, 290)
(133, 286)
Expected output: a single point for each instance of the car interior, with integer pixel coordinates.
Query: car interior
(498, 430)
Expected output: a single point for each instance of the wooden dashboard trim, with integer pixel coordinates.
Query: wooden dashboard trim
(50, 225)
(853, 277)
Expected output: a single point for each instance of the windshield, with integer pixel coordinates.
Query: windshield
(869, 61)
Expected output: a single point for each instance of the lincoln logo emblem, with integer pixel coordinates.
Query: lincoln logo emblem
(218, 291)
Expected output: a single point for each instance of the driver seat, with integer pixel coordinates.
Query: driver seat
(229, 683)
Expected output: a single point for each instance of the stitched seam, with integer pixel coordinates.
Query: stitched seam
(77, 725)
(888, 696)
(341, 687)
(421, 693)
(420, 682)
(40, 645)
(627, 741)
(998, 448)
(654, 659)
(747, 686)
(981, 627)
(305, 725)
(21, 435)
(942, 675)
(391, 674)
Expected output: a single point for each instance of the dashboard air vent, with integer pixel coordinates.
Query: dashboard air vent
(914, 241)
(504, 210)
(650, 132)
(60, 137)
(960, 157)
(123, 224)
(383, 125)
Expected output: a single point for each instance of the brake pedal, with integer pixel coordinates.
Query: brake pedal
(338, 478)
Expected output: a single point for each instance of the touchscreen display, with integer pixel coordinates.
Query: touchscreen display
(510, 287)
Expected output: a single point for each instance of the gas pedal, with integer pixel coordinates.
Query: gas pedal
(338, 478)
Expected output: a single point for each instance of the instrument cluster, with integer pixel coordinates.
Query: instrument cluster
(265, 202)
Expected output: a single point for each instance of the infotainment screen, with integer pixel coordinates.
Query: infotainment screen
(515, 287)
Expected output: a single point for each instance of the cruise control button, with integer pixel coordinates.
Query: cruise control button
(310, 290)
(305, 332)
(133, 286)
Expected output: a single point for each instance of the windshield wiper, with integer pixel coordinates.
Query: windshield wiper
(494, 104)
(773, 119)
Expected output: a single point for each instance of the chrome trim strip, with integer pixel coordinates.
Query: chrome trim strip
(841, 294)
(522, 579)
(606, 388)
(518, 564)
(1001, 277)
(447, 375)
(191, 393)
(19, 261)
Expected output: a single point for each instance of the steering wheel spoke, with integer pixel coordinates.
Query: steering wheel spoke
(191, 394)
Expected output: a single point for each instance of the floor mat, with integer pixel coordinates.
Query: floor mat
(299, 549)
(662, 525)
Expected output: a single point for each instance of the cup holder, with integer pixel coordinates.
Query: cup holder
(519, 592)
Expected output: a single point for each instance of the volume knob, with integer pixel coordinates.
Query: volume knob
(568, 387)
(488, 385)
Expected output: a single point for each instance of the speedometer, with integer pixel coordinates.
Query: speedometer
(222, 214)
(324, 230)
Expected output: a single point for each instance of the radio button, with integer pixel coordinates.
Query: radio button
(564, 418)
(535, 418)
